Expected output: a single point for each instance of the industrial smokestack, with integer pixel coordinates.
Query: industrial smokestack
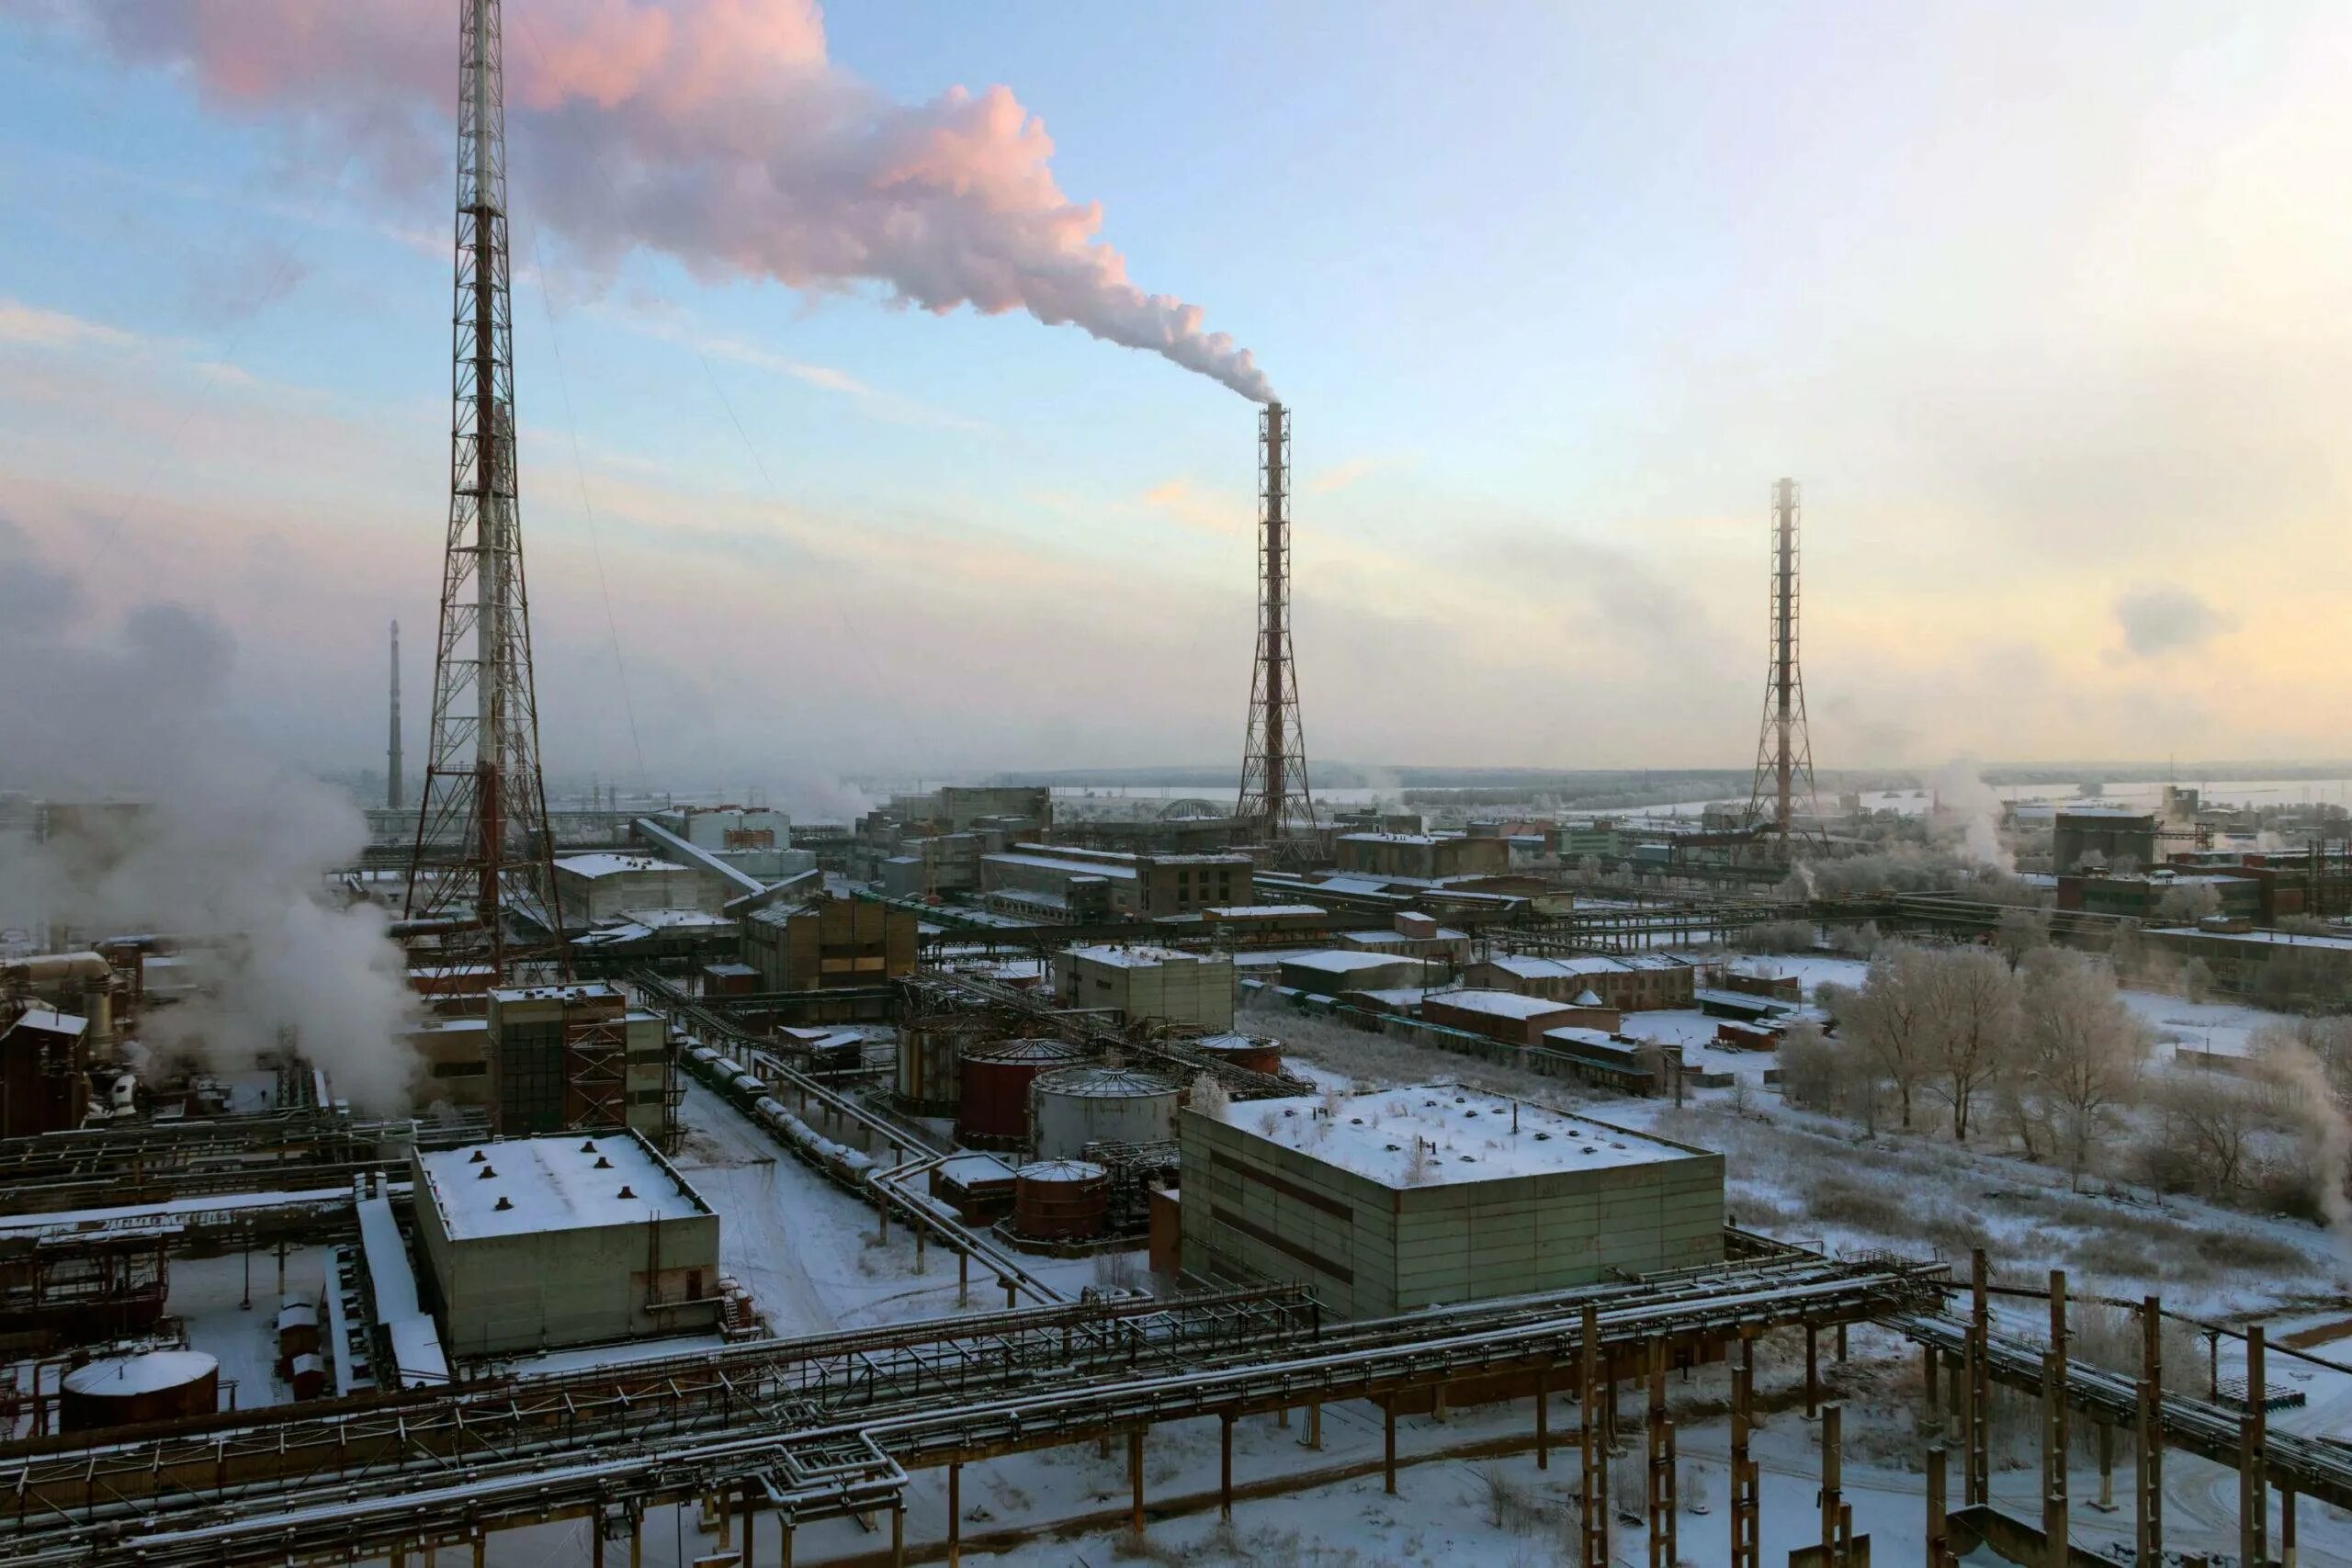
(393, 756)
(1274, 793)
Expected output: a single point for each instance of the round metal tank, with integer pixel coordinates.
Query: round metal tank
(929, 1075)
(1077, 1106)
(994, 1106)
(1253, 1053)
(1060, 1199)
(124, 1391)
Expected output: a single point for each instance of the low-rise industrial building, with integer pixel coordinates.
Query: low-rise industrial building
(1629, 984)
(1514, 1019)
(534, 1243)
(1338, 969)
(575, 1056)
(603, 886)
(1407, 1197)
(1141, 981)
(828, 944)
(1081, 882)
(1425, 855)
(2115, 837)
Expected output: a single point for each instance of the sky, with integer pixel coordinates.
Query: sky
(833, 461)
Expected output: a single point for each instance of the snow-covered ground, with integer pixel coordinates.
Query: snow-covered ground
(206, 1293)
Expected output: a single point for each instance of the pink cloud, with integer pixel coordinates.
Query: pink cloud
(715, 131)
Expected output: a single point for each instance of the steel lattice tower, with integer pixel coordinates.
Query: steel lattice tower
(1784, 750)
(1274, 793)
(482, 849)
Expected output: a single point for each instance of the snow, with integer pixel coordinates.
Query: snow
(149, 1373)
(611, 865)
(1111, 869)
(391, 1282)
(1479, 1137)
(553, 1183)
(137, 1216)
(1500, 1004)
(207, 1294)
(49, 1022)
(1140, 956)
(555, 1364)
(1560, 968)
(1339, 961)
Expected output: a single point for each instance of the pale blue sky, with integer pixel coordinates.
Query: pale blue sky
(2043, 304)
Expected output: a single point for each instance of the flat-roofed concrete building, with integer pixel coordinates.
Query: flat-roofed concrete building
(1142, 981)
(829, 943)
(1629, 984)
(593, 888)
(1337, 969)
(1512, 1018)
(1405, 1197)
(1080, 884)
(1424, 855)
(532, 1242)
(574, 1056)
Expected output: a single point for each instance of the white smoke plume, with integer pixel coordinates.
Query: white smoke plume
(1962, 790)
(228, 855)
(715, 131)
(2327, 1134)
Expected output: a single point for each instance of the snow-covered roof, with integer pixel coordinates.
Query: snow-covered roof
(1264, 911)
(554, 1183)
(49, 1022)
(2266, 938)
(611, 865)
(1338, 961)
(1500, 1004)
(1388, 838)
(1073, 867)
(151, 1372)
(1140, 956)
(1559, 968)
(1479, 1136)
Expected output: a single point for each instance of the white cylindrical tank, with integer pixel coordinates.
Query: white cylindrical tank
(1077, 1106)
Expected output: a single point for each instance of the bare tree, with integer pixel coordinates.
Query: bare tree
(2186, 903)
(2084, 1050)
(2196, 980)
(2020, 932)
(1973, 1024)
(1892, 1020)
(2208, 1123)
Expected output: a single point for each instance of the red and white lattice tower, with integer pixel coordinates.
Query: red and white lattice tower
(483, 858)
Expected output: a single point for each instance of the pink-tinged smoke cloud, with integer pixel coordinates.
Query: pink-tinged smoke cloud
(716, 131)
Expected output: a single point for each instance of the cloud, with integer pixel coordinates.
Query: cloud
(2157, 621)
(30, 324)
(1339, 476)
(717, 132)
(1187, 503)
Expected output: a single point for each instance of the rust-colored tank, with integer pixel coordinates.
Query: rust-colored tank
(993, 1110)
(126, 1391)
(1060, 1199)
(1254, 1052)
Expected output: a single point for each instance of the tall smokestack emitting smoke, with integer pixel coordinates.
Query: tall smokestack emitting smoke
(714, 130)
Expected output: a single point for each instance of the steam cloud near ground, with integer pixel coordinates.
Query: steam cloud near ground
(715, 131)
(228, 858)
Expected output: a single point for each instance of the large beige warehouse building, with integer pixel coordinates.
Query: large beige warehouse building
(1141, 981)
(1408, 1198)
(567, 1240)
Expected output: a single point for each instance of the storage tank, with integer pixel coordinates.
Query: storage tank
(1253, 1053)
(1073, 1107)
(298, 1330)
(123, 1391)
(994, 1106)
(1060, 1199)
(930, 1077)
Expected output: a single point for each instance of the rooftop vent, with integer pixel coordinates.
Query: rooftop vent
(604, 1163)
(487, 1172)
(588, 1145)
(478, 1156)
(504, 1203)
(627, 1191)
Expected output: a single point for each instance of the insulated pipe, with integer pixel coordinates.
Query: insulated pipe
(47, 966)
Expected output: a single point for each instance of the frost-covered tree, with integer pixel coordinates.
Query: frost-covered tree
(1972, 1003)
(2084, 1050)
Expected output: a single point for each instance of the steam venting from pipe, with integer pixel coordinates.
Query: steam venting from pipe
(1961, 789)
(2327, 1134)
(224, 851)
(714, 130)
